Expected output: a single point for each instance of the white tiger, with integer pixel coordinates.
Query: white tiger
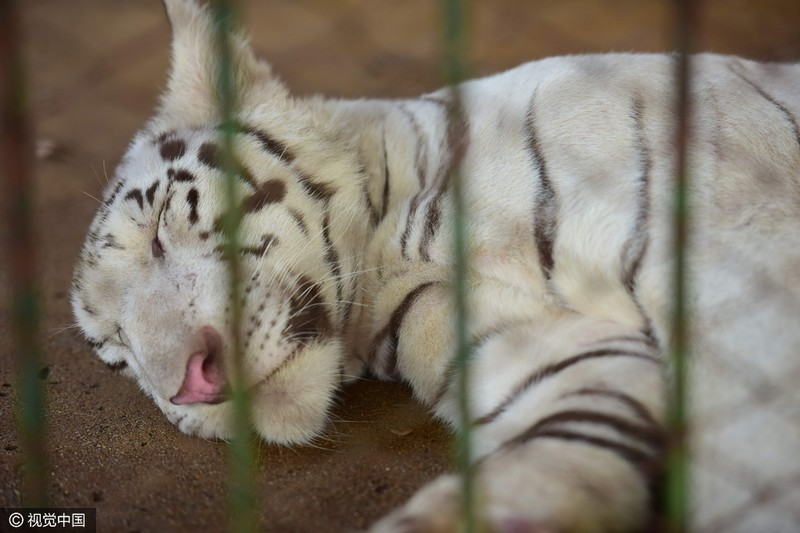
(568, 166)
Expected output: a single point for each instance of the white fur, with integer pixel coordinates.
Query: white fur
(603, 129)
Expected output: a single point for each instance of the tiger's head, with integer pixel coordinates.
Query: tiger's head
(152, 288)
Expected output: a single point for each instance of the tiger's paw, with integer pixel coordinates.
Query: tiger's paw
(436, 509)
(545, 487)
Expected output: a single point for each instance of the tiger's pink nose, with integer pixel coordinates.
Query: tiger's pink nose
(204, 381)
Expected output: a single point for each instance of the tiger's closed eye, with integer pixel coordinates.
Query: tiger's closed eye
(122, 337)
(156, 248)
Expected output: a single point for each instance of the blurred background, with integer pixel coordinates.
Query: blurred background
(95, 68)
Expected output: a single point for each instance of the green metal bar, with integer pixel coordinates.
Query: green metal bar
(455, 45)
(241, 461)
(15, 157)
(677, 475)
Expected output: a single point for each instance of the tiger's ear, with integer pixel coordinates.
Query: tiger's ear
(191, 96)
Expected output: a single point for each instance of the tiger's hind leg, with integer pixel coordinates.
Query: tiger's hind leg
(567, 428)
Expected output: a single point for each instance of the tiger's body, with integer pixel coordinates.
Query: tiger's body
(568, 165)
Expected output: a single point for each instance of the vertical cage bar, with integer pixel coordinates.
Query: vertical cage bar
(677, 478)
(242, 487)
(455, 17)
(16, 154)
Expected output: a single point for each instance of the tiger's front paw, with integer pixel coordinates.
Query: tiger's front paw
(436, 508)
(547, 486)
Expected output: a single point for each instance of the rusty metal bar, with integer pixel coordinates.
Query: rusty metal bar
(16, 155)
(241, 463)
(677, 461)
(455, 18)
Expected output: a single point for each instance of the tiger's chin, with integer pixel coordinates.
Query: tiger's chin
(290, 406)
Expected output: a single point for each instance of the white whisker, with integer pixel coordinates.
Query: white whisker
(62, 329)
(92, 197)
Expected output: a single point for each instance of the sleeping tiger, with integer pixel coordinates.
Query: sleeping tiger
(345, 245)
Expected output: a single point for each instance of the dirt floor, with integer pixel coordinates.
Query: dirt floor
(95, 68)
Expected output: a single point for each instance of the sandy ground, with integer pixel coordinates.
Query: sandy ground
(95, 68)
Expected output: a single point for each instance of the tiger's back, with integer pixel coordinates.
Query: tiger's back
(569, 168)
